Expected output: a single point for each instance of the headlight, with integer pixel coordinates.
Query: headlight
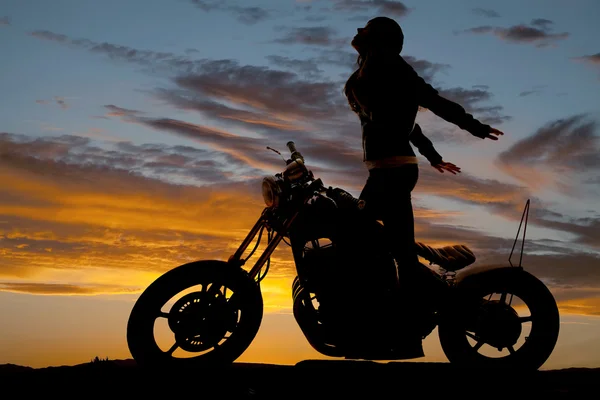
(271, 191)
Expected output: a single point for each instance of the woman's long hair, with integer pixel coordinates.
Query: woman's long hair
(350, 86)
(385, 35)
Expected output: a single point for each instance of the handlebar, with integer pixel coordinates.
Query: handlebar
(295, 153)
(291, 146)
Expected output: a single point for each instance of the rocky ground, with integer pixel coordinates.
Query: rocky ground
(314, 379)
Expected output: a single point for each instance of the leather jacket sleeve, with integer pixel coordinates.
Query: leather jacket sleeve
(424, 145)
(446, 109)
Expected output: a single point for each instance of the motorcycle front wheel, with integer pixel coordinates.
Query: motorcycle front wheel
(506, 319)
(213, 312)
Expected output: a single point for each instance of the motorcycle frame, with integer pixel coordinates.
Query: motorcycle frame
(262, 222)
(526, 217)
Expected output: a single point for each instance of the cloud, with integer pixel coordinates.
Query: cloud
(473, 100)
(543, 23)
(332, 154)
(592, 58)
(251, 15)
(4, 21)
(114, 111)
(246, 15)
(300, 101)
(484, 12)
(81, 216)
(207, 5)
(233, 96)
(386, 7)
(75, 206)
(534, 90)
(312, 36)
(71, 205)
(159, 60)
(47, 35)
(271, 102)
(60, 101)
(528, 92)
(504, 200)
(426, 69)
(308, 68)
(287, 94)
(558, 153)
(232, 117)
(538, 32)
(168, 163)
(581, 306)
(64, 289)
(124, 114)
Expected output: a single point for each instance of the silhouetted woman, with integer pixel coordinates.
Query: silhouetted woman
(386, 93)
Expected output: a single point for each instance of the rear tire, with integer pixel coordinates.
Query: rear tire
(240, 319)
(544, 317)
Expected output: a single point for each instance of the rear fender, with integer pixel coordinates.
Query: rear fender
(468, 276)
(469, 281)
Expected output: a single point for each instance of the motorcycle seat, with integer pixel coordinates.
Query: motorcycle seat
(450, 258)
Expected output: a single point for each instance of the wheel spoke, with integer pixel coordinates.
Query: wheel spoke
(172, 349)
(480, 341)
(503, 298)
(215, 290)
(162, 314)
(511, 349)
(528, 318)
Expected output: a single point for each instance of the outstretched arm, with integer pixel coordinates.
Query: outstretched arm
(456, 114)
(449, 110)
(425, 147)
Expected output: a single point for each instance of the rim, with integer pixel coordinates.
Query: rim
(196, 321)
(514, 324)
(188, 319)
(502, 327)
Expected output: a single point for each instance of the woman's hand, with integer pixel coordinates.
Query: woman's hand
(447, 166)
(495, 132)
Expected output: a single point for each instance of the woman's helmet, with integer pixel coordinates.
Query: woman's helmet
(382, 33)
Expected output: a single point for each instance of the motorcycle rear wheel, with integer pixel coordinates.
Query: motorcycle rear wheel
(205, 321)
(497, 324)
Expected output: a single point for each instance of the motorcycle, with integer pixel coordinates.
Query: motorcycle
(351, 297)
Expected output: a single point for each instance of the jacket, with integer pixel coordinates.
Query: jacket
(389, 93)
(424, 145)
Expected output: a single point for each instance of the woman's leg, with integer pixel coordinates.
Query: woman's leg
(373, 194)
(387, 194)
(398, 217)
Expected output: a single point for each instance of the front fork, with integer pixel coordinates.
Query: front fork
(236, 258)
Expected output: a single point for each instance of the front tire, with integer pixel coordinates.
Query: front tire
(497, 324)
(206, 321)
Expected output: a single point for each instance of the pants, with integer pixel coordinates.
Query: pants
(387, 195)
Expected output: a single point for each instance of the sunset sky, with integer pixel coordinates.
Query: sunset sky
(133, 139)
